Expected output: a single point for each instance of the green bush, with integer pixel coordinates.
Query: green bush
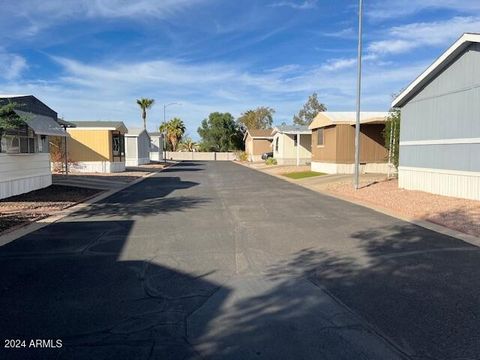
(271, 161)
(241, 156)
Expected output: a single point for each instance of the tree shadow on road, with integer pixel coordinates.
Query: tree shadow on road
(416, 287)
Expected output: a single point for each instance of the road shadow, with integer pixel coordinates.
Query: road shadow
(417, 288)
(83, 290)
(149, 197)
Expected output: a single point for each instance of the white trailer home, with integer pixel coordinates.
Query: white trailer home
(440, 125)
(24, 152)
(137, 147)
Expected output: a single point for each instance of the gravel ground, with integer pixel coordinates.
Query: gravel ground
(458, 214)
(25, 208)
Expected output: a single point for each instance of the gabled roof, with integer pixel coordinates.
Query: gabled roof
(30, 104)
(106, 125)
(327, 118)
(136, 132)
(155, 134)
(260, 133)
(433, 70)
(42, 124)
(291, 129)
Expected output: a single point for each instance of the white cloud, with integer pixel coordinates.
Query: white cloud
(346, 33)
(22, 18)
(305, 5)
(401, 39)
(338, 64)
(11, 65)
(385, 10)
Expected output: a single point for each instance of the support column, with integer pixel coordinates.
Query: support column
(298, 149)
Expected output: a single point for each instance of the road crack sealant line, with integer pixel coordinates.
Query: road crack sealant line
(363, 322)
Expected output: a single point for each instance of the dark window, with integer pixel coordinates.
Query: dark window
(118, 145)
(276, 145)
(320, 140)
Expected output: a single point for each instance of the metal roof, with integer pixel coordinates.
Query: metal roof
(136, 132)
(41, 124)
(291, 129)
(326, 118)
(66, 123)
(152, 134)
(433, 70)
(260, 133)
(109, 125)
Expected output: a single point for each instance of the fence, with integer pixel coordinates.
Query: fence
(202, 156)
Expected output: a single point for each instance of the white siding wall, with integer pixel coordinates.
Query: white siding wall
(463, 184)
(287, 151)
(98, 166)
(22, 173)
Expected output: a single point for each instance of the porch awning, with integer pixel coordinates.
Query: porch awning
(42, 125)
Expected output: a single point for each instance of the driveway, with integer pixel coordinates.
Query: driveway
(215, 260)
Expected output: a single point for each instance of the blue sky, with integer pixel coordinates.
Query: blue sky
(90, 60)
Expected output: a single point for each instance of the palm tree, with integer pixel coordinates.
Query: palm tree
(145, 104)
(174, 130)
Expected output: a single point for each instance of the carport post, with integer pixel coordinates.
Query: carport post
(65, 150)
(298, 148)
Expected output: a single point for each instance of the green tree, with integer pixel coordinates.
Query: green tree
(188, 145)
(259, 118)
(9, 120)
(391, 133)
(174, 130)
(145, 104)
(310, 109)
(220, 132)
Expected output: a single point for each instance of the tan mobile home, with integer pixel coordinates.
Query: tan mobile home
(257, 142)
(333, 142)
(97, 146)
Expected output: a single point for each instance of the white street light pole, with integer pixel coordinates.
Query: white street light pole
(359, 92)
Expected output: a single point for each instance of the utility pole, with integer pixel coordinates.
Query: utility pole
(359, 92)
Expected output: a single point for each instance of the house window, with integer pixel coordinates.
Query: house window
(276, 145)
(295, 137)
(18, 141)
(118, 145)
(320, 138)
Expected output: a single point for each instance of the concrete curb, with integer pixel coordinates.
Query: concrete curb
(422, 223)
(24, 230)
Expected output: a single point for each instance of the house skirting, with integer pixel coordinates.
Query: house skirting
(98, 166)
(19, 186)
(334, 168)
(137, 162)
(255, 158)
(293, 161)
(462, 184)
(156, 156)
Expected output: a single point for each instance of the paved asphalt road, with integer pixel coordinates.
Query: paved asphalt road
(218, 261)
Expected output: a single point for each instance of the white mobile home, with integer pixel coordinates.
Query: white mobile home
(440, 124)
(292, 144)
(156, 146)
(137, 147)
(24, 152)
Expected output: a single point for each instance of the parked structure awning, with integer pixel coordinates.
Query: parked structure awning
(42, 125)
